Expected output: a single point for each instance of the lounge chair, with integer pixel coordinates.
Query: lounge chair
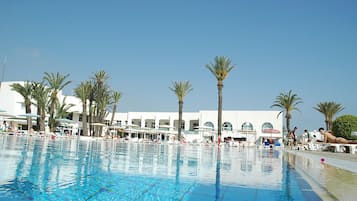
(348, 148)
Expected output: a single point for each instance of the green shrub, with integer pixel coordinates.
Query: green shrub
(344, 125)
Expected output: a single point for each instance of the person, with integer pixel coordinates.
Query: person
(4, 127)
(329, 137)
(306, 136)
(292, 136)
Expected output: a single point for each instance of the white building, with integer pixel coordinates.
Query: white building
(251, 127)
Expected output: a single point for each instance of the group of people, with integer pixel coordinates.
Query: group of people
(326, 137)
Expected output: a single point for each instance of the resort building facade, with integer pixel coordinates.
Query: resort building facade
(252, 127)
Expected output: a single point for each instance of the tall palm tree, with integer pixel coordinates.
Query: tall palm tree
(101, 93)
(83, 93)
(329, 110)
(102, 97)
(26, 92)
(116, 98)
(220, 69)
(40, 95)
(181, 89)
(287, 102)
(56, 82)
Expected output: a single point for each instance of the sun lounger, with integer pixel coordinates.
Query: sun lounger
(314, 146)
(340, 148)
(349, 148)
(333, 147)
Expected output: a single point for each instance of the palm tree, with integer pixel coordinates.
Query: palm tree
(329, 110)
(220, 69)
(101, 93)
(56, 82)
(287, 102)
(181, 89)
(40, 94)
(83, 92)
(62, 109)
(26, 92)
(116, 98)
(101, 96)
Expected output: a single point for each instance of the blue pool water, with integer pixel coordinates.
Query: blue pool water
(64, 169)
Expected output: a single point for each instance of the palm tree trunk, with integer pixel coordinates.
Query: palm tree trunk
(288, 123)
(327, 125)
(29, 118)
(113, 114)
(90, 118)
(180, 120)
(42, 121)
(38, 119)
(101, 120)
(220, 87)
(84, 119)
(51, 120)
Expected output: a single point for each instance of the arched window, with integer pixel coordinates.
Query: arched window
(247, 126)
(209, 124)
(267, 125)
(227, 126)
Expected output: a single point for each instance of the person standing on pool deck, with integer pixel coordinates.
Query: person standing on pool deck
(292, 136)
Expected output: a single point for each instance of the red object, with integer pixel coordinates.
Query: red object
(322, 160)
(53, 137)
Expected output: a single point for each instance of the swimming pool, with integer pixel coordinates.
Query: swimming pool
(64, 169)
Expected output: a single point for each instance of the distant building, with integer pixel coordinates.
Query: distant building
(252, 127)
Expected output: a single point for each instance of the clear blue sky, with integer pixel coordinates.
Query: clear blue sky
(309, 47)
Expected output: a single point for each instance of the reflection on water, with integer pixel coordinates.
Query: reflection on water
(40, 166)
(218, 175)
(340, 183)
(60, 161)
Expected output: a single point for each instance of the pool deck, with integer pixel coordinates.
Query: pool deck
(341, 160)
(331, 175)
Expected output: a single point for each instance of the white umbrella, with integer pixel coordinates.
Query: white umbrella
(97, 124)
(17, 119)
